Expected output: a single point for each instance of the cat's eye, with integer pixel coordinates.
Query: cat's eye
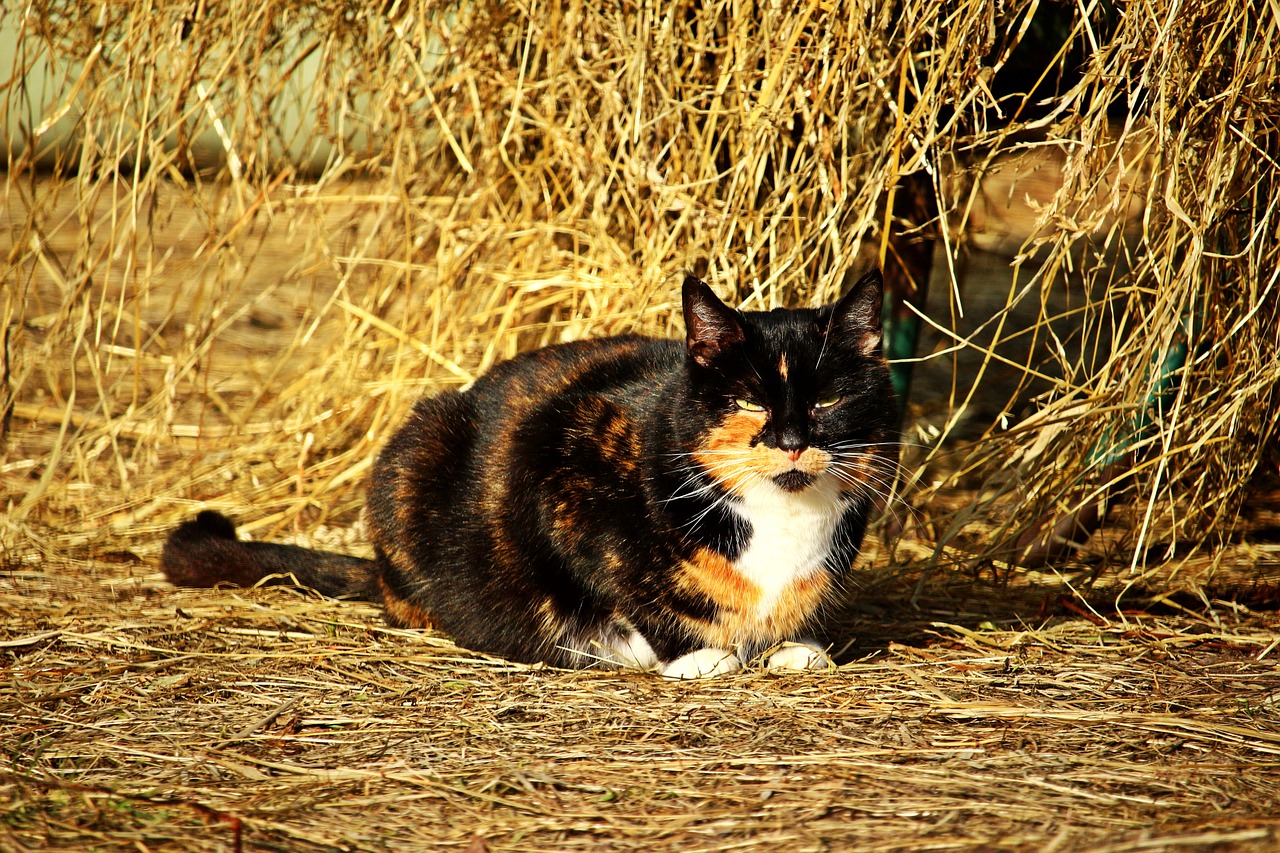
(748, 405)
(828, 402)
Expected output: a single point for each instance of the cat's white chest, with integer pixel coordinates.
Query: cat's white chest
(791, 535)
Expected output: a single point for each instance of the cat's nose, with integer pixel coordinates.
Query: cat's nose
(792, 441)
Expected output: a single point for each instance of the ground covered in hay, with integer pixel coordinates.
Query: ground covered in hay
(136, 716)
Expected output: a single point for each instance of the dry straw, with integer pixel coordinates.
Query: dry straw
(260, 229)
(267, 720)
(239, 239)
(242, 237)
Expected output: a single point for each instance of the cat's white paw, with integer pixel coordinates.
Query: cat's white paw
(636, 652)
(805, 654)
(703, 663)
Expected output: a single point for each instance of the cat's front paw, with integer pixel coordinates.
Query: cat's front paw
(805, 654)
(703, 663)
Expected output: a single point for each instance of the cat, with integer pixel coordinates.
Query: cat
(685, 508)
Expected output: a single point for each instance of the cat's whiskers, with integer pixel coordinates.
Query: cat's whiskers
(691, 488)
(720, 500)
(695, 473)
(826, 336)
(865, 466)
(728, 479)
(872, 462)
(734, 471)
(710, 485)
(864, 470)
(872, 475)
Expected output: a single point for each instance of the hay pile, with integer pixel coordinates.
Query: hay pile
(1165, 230)
(239, 239)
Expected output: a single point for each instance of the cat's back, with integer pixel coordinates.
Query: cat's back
(575, 412)
(457, 448)
(620, 369)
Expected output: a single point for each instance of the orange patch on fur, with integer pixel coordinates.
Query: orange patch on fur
(728, 455)
(401, 612)
(796, 606)
(740, 617)
(617, 442)
(811, 461)
(718, 579)
(549, 617)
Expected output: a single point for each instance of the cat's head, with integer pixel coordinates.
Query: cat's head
(792, 397)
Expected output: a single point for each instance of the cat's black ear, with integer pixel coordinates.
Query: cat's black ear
(856, 317)
(711, 327)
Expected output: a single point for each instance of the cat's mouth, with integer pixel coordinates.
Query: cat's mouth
(793, 481)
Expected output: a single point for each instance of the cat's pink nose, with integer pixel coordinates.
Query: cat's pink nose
(794, 454)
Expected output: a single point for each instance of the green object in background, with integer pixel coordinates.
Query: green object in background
(1111, 458)
(901, 332)
(1160, 393)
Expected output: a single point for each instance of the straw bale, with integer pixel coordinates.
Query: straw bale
(1166, 223)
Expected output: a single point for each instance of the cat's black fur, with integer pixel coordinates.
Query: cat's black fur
(583, 495)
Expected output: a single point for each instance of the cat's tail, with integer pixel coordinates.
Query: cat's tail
(205, 551)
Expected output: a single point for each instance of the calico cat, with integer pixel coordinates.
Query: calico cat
(633, 501)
